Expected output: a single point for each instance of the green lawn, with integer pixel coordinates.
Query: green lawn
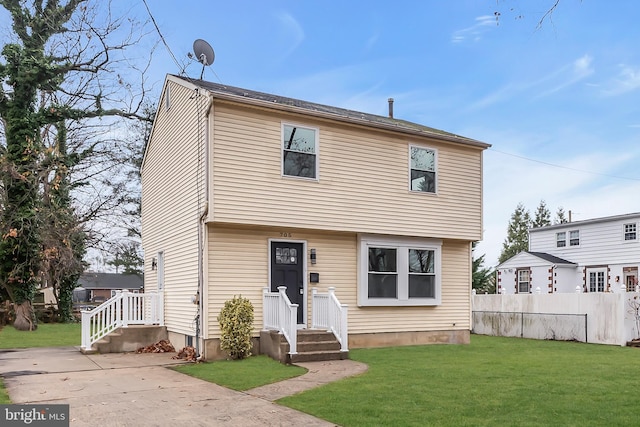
(491, 382)
(244, 374)
(47, 335)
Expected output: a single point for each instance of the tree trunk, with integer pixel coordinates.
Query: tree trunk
(25, 317)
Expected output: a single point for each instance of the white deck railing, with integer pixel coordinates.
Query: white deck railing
(280, 314)
(120, 311)
(327, 313)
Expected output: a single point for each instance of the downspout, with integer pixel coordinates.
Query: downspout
(202, 229)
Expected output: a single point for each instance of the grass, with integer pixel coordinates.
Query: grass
(492, 381)
(47, 335)
(4, 397)
(243, 374)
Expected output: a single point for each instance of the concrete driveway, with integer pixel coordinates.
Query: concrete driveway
(125, 389)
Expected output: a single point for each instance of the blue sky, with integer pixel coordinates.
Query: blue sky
(559, 104)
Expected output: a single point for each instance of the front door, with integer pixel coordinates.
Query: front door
(287, 269)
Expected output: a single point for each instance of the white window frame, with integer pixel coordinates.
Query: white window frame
(595, 272)
(571, 240)
(561, 237)
(402, 245)
(316, 152)
(435, 167)
(634, 232)
(519, 282)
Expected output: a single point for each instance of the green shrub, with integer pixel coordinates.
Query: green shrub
(236, 325)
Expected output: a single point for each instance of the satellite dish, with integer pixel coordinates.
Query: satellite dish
(204, 52)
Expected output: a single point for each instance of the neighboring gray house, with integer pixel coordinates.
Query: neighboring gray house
(99, 287)
(594, 255)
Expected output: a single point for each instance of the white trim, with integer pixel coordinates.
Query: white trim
(316, 152)
(303, 256)
(403, 244)
(435, 167)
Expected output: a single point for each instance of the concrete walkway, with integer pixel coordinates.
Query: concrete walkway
(126, 389)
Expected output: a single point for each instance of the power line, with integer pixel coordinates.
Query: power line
(166, 45)
(564, 167)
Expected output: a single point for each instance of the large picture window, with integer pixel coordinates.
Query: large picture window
(422, 169)
(299, 151)
(398, 272)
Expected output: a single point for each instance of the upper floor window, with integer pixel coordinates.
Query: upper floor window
(561, 239)
(299, 151)
(630, 232)
(423, 169)
(574, 238)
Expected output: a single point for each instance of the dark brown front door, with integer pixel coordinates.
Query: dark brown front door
(287, 269)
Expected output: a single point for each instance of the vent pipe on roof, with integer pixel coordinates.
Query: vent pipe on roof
(391, 108)
(569, 216)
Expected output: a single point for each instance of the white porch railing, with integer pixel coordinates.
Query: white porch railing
(327, 313)
(280, 314)
(120, 311)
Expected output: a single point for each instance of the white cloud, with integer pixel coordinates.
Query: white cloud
(552, 82)
(292, 32)
(475, 31)
(627, 80)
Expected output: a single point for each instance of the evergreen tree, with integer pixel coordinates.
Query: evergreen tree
(543, 215)
(483, 279)
(517, 234)
(560, 217)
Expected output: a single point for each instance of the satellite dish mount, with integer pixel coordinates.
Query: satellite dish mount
(204, 54)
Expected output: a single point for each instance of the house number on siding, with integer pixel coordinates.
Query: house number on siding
(285, 234)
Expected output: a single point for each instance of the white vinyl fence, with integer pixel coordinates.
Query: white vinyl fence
(603, 318)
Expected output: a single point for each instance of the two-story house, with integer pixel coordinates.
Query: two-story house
(243, 191)
(595, 255)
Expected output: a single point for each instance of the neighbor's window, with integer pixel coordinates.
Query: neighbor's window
(561, 239)
(524, 281)
(398, 272)
(299, 151)
(630, 232)
(574, 238)
(596, 281)
(423, 169)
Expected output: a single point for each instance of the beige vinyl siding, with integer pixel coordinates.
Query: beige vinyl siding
(239, 264)
(170, 204)
(363, 181)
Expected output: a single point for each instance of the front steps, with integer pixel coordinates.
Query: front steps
(131, 338)
(313, 345)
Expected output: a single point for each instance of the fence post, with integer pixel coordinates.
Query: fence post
(521, 324)
(314, 308)
(125, 308)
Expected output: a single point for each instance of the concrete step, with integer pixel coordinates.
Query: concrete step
(318, 356)
(312, 335)
(304, 347)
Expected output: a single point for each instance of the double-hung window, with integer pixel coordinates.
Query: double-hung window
(422, 169)
(398, 272)
(299, 151)
(574, 238)
(561, 239)
(524, 281)
(630, 232)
